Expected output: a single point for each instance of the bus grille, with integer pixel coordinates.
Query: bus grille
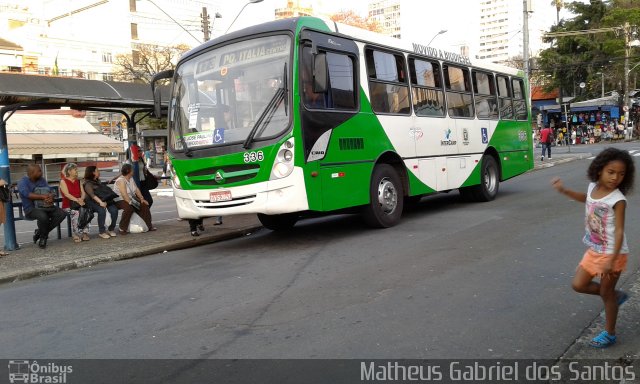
(347, 144)
(223, 175)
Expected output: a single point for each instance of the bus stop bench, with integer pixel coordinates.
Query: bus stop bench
(21, 216)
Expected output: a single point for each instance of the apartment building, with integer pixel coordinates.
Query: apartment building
(387, 14)
(293, 9)
(82, 38)
(500, 32)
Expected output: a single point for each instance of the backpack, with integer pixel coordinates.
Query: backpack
(549, 137)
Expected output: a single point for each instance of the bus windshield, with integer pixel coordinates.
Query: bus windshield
(225, 95)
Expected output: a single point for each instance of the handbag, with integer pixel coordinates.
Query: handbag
(135, 203)
(150, 182)
(85, 216)
(5, 194)
(104, 193)
(42, 191)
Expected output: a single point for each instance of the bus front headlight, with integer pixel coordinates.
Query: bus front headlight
(283, 164)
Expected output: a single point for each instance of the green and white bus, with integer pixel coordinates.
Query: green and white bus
(305, 115)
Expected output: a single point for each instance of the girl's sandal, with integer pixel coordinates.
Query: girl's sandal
(3, 253)
(77, 239)
(603, 340)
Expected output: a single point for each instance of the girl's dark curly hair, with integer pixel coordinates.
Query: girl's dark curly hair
(605, 157)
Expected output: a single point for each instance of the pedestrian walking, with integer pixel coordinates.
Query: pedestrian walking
(611, 174)
(546, 138)
(196, 225)
(5, 197)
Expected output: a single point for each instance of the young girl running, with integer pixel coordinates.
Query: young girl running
(611, 173)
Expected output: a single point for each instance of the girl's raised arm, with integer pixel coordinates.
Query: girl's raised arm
(557, 183)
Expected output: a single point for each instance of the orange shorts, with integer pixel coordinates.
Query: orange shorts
(594, 263)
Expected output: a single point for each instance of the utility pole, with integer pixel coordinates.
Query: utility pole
(627, 30)
(206, 25)
(525, 36)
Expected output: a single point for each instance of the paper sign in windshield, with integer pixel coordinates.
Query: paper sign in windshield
(199, 139)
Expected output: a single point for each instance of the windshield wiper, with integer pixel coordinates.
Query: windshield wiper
(286, 91)
(269, 109)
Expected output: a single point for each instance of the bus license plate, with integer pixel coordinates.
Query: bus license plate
(219, 196)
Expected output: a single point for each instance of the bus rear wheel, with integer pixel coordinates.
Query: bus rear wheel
(278, 222)
(487, 190)
(386, 198)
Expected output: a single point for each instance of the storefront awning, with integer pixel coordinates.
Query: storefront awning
(61, 145)
(48, 123)
(594, 104)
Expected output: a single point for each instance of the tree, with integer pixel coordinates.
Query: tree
(145, 61)
(584, 57)
(351, 18)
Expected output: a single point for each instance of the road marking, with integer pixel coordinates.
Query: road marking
(591, 158)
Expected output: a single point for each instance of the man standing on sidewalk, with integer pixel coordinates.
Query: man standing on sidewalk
(546, 137)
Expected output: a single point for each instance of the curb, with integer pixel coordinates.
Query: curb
(45, 270)
(577, 156)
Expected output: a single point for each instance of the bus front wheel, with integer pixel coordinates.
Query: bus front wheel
(278, 222)
(489, 182)
(386, 198)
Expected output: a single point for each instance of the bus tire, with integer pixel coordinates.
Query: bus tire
(487, 190)
(386, 198)
(278, 222)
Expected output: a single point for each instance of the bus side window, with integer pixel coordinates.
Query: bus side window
(340, 92)
(426, 85)
(504, 93)
(459, 99)
(519, 101)
(388, 86)
(485, 95)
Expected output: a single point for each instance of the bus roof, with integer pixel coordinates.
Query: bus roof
(359, 34)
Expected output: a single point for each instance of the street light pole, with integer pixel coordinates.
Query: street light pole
(242, 9)
(627, 52)
(436, 35)
(601, 73)
(602, 82)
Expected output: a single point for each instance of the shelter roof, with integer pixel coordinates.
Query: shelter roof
(80, 94)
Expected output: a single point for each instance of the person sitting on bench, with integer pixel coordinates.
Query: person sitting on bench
(38, 204)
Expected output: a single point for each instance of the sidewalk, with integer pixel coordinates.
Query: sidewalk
(62, 255)
(559, 155)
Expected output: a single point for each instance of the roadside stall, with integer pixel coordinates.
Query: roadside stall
(595, 120)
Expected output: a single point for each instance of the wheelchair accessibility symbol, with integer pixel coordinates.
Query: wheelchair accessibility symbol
(485, 135)
(218, 136)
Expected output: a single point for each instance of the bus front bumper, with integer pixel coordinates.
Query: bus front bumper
(269, 197)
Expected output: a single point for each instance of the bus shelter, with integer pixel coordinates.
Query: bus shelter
(20, 92)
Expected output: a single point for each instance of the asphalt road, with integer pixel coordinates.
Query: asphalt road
(453, 280)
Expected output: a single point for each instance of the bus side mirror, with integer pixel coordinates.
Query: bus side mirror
(320, 73)
(157, 103)
(155, 90)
